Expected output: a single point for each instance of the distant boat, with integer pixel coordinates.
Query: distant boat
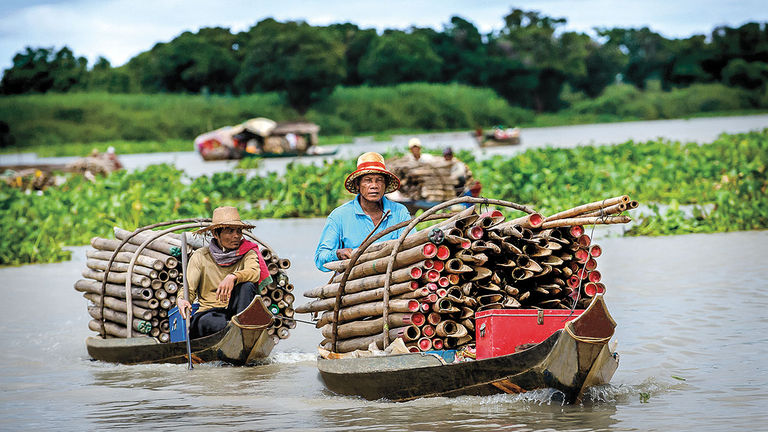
(498, 137)
(261, 137)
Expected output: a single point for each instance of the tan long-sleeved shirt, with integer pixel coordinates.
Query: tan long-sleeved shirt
(204, 276)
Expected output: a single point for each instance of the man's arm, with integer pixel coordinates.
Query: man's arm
(251, 271)
(330, 242)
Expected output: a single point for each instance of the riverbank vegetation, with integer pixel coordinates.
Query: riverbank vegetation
(724, 182)
(73, 124)
(353, 81)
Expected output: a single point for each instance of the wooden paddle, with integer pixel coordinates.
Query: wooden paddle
(186, 295)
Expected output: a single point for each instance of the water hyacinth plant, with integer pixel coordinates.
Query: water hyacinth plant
(724, 183)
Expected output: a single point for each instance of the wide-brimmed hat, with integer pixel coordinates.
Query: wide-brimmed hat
(225, 217)
(414, 142)
(371, 163)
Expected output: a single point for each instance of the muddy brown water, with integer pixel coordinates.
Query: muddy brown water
(691, 306)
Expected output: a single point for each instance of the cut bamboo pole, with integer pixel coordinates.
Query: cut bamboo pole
(369, 327)
(112, 329)
(117, 277)
(160, 245)
(575, 211)
(125, 257)
(141, 326)
(97, 264)
(348, 345)
(367, 283)
(110, 245)
(119, 305)
(353, 299)
(379, 265)
(91, 286)
(352, 313)
(586, 221)
(607, 211)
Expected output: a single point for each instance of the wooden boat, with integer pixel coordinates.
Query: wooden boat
(570, 360)
(243, 341)
(316, 152)
(498, 138)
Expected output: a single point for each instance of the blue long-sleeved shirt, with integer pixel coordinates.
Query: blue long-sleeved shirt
(348, 225)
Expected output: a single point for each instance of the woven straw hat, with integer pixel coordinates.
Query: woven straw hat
(371, 163)
(225, 217)
(414, 142)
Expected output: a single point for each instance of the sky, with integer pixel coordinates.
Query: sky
(121, 29)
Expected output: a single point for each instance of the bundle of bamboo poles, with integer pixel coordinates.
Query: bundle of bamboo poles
(156, 281)
(471, 262)
(429, 181)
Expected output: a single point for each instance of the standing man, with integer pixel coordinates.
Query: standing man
(223, 277)
(349, 224)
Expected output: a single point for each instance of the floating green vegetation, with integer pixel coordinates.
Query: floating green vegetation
(723, 186)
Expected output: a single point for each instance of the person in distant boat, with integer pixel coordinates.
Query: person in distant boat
(224, 277)
(459, 170)
(349, 224)
(415, 155)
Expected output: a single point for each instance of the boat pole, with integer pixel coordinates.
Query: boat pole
(186, 295)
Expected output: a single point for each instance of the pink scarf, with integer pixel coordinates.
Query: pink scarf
(226, 259)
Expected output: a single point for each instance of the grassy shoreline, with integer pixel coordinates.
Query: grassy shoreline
(180, 145)
(73, 123)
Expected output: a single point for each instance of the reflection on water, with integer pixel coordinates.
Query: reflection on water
(692, 333)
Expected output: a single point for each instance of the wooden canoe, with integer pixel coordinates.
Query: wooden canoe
(570, 360)
(318, 152)
(243, 341)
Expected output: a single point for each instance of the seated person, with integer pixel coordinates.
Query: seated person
(223, 277)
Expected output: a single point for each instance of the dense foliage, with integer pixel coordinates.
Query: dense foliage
(50, 123)
(528, 61)
(725, 182)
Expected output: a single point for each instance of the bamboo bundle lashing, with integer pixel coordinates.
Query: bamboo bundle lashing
(154, 284)
(484, 263)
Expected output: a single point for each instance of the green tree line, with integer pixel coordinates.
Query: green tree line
(531, 61)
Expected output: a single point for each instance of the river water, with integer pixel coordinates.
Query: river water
(701, 130)
(691, 311)
(692, 333)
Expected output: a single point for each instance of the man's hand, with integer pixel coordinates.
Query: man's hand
(184, 307)
(344, 253)
(225, 287)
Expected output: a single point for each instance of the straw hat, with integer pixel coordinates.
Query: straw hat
(371, 163)
(414, 142)
(225, 217)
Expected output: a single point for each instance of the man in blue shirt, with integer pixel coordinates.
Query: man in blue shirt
(349, 224)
